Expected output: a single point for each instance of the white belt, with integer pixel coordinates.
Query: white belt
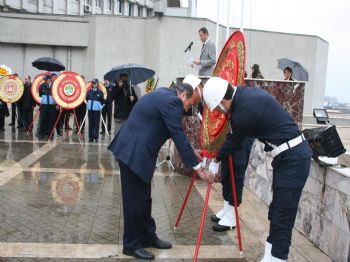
(285, 146)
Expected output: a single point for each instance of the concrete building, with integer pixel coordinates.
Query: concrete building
(140, 8)
(92, 44)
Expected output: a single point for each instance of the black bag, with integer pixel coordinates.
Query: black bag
(324, 141)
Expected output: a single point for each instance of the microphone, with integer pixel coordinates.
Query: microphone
(189, 47)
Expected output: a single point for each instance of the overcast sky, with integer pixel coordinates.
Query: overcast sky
(329, 20)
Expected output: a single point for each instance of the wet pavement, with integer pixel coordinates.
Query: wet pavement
(61, 201)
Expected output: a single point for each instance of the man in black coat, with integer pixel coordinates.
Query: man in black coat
(28, 103)
(155, 118)
(107, 109)
(4, 112)
(124, 100)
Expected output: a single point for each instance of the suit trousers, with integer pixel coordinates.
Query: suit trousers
(27, 117)
(290, 172)
(107, 112)
(94, 123)
(139, 226)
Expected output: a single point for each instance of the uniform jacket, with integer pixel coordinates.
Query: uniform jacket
(207, 59)
(155, 118)
(95, 100)
(46, 95)
(257, 114)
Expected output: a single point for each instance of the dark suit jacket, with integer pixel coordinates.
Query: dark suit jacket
(155, 118)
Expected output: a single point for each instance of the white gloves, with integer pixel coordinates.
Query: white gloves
(204, 162)
(214, 168)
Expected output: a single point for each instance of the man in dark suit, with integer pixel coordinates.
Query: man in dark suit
(28, 103)
(155, 118)
(207, 57)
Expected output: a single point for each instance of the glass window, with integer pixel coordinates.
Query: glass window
(119, 6)
(99, 3)
(139, 11)
(131, 9)
(109, 4)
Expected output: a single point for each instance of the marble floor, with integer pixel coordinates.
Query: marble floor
(61, 201)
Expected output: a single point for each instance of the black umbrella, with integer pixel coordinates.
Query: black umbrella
(48, 64)
(299, 72)
(137, 73)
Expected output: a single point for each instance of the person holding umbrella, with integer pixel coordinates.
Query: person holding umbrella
(124, 100)
(95, 103)
(288, 73)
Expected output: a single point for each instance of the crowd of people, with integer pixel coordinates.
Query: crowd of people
(120, 94)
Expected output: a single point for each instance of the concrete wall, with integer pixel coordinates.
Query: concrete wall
(102, 41)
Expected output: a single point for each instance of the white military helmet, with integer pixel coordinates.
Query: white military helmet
(214, 91)
(192, 80)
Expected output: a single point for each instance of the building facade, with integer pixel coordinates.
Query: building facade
(92, 44)
(139, 8)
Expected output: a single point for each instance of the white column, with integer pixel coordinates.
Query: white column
(55, 6)
(81, 7)
(217, 28)
(242, 15)
(93, 6)
(228, 19)
(40, 6)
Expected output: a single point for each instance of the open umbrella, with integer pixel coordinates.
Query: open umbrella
(48, 64)
(137, 73)
(299, 72)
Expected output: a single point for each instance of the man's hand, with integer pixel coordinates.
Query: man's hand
(205, 175)
(197, 62)
(214, 167)
(131, 98)
(198, 154)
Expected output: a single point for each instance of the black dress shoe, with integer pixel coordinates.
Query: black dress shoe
(102, 133)
(220, 228)
(158, 243)
(139, 253)
(214, 218)
(91, 140)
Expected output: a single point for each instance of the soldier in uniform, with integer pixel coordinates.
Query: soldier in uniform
(255, 113)
(95, 103)
(48, 111)
(225, 218)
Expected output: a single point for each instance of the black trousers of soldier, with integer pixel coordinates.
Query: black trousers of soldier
(239, 173)
(240, 159)
(48, 115)
(27, 117)
(107, 112)
(290, 172)
(139, 226)
(94, 123)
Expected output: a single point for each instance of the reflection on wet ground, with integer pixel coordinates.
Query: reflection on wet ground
(61, 201)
